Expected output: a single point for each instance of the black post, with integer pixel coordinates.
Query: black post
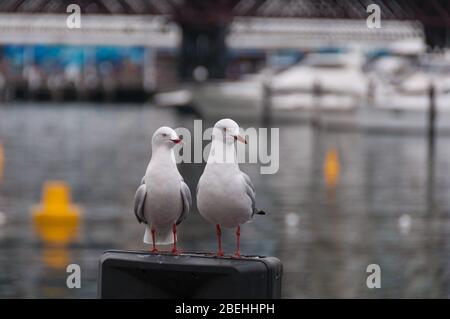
(431, 116)
(431, 148)
(266, 102)
(317, 93)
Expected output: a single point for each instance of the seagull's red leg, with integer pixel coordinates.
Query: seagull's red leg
(219, 239)
(154, 250)
(174, 231)
(238, 237)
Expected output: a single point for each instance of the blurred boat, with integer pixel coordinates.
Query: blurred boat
(217, 99)
(333, 89)
(328, 82)
(178, 98)
(406, 88)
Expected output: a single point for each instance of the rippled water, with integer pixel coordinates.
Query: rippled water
(339, 202)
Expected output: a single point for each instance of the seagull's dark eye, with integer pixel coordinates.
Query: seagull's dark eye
(224, 129)
(164, 135)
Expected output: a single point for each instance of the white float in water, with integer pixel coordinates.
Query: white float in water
(404, 223)
(292, 219)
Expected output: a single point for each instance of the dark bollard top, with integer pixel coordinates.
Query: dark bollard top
(141, 274)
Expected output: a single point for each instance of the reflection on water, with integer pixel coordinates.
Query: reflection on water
(337, 204)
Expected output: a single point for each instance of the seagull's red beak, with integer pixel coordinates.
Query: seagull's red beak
(240, 138)
(178, 140)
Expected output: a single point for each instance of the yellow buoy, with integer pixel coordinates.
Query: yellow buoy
(55, 218)
(332, 168)
(56, 257)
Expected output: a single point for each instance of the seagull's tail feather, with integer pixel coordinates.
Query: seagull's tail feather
(164, 236)
(148, 235)
(259, 212)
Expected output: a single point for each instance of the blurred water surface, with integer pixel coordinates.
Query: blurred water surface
(339, 202)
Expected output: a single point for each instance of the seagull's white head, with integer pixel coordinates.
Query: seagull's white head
(165, 136)
(227, 130)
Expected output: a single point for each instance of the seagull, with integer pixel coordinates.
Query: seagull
(163, 199)
(225, 195)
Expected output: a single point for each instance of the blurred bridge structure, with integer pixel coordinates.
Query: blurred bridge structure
(202, 31)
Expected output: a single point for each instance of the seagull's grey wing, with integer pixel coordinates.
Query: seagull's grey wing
(250, 191)
(139, 201)
(198, 185)
(248, 181)
(186, 199)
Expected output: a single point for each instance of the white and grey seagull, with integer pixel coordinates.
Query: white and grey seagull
(163, 199)
(225, 194)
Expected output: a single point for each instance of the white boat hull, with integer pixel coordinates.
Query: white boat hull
(244, 101)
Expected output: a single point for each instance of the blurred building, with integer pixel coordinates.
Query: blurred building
(131, 48)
